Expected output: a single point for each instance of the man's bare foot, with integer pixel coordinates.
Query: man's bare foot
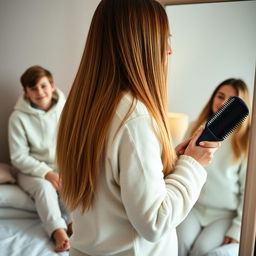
(70, 230)
(61, 240)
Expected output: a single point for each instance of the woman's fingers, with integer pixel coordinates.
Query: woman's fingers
(197, 134)
(205, 144)
(181, 147)
(202, 153)
(210, 144)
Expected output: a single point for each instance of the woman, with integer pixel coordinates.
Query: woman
(216, 218)
(120, 177)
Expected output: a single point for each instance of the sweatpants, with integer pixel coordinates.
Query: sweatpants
(46, 201)
(195, 240)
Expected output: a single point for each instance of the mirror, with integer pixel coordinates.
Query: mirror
(212, 42)
(52, 34)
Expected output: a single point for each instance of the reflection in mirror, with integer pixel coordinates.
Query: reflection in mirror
(211, 43)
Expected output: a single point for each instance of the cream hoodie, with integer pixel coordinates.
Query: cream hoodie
(223, 193)
(32, 136)
(136, 209)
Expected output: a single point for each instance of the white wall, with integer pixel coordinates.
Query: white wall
(50, 33)
(211, 42)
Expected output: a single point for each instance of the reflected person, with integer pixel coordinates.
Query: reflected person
(215, 220)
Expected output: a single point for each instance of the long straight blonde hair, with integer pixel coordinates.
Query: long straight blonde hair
(240, 137)
(125, 51)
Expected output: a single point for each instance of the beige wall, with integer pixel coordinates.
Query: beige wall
(52, 33)
(48, 33)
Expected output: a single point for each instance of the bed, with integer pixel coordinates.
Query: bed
(21, 231)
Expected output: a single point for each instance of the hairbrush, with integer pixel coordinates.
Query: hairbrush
(225, 121)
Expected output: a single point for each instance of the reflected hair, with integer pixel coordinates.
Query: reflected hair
(125, 51)
(240, 137)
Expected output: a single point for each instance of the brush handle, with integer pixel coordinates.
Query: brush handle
(207, 135)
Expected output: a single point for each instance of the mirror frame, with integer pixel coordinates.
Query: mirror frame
(248, 229)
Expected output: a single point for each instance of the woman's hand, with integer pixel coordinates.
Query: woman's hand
(54, 179)
(202, 153)
(180, 149)
(230, 240)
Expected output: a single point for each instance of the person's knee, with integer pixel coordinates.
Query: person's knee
(43, 183)
(183, 248)
(184, 244)
(185, 239)
(42, 186)
(200, 249)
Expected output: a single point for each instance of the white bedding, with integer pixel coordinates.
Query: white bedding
(21, 230)
(25, 237)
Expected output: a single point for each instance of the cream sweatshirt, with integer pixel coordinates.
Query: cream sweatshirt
(32, 136)
(136, 209)
(223, 193)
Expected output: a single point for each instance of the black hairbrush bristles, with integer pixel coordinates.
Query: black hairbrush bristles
(225, 121)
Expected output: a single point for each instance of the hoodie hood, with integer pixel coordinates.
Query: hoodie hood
(24, 104)
(32, 136)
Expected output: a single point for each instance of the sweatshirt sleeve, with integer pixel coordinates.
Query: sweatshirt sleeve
(235, 229)
(155, 204)
(20, 151)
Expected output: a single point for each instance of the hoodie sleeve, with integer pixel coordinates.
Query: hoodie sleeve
(20, 150)
(155, 204)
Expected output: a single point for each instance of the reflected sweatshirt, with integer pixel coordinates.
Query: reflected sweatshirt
(223, 193)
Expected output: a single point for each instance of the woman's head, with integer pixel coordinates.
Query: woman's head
(128, 41)
(222, 93)
(227, 89)
(125, 51)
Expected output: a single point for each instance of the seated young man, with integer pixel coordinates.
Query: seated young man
(32, 136)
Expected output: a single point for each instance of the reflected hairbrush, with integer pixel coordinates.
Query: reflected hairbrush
(225, 121)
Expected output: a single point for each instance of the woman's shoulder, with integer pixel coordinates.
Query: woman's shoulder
(131, 121)
(129, 104)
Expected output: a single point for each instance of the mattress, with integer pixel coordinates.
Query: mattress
(25, 236)
(21, 230)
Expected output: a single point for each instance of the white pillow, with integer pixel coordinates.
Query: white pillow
(12, 213)
(5, 174)
(12, 196)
